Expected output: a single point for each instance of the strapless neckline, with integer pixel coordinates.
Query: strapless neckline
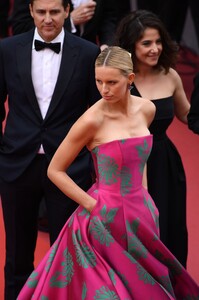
(120, 140)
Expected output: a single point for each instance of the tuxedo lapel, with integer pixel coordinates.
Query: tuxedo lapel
(24, 66)
(68, 63)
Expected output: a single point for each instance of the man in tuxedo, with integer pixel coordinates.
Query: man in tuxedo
(92, 20)
(47, 76)
(193, 116)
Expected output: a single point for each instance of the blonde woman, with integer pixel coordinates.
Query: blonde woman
(110, 247)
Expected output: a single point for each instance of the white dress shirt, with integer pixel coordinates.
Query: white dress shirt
(44, 71)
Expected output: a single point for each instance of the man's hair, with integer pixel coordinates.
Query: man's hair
(64, 3)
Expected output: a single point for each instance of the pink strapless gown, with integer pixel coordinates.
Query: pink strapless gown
(114, 252)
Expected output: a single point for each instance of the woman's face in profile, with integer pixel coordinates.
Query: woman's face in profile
(112, 84)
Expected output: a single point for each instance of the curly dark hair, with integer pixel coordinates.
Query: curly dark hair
(131, 29)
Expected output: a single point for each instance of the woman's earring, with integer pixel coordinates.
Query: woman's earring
(130, 87)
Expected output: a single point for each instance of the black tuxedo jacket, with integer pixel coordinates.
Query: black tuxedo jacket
(25, 129)
(101, 26)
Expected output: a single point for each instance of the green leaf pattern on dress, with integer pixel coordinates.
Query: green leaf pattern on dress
(84, 291)
(148, 203)
(109, 173)
(145, 276)
(71, 221)
(100, 229)
(122, 141)
(108, 169)
(85, 257)
(32, 280)
(166, 283)
(104, 293)
(100, 232)
(65, 276)
(143, 152)
(111, 274)
(142, 273)
(173, 264)
(126, 181)
(135, 246)
(130, 257)
(133, 227)
(85, 213)
(108, 216)
(51, 256)
(124, 280)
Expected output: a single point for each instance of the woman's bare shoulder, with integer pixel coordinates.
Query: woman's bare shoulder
(173, 74)
(146, 107)
(93, 116)
(143, 102)
(149, 107)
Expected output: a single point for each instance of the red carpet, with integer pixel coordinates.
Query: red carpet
(188, 146)
(42, 247)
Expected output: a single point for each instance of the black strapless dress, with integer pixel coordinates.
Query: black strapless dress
(167, 181)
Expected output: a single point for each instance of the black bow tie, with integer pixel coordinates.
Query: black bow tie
(53, 46)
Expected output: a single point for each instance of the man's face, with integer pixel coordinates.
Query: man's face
(49, 17)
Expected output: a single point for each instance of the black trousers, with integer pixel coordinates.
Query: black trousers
(20, 203)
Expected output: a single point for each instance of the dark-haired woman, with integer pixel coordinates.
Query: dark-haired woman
(154, 55)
